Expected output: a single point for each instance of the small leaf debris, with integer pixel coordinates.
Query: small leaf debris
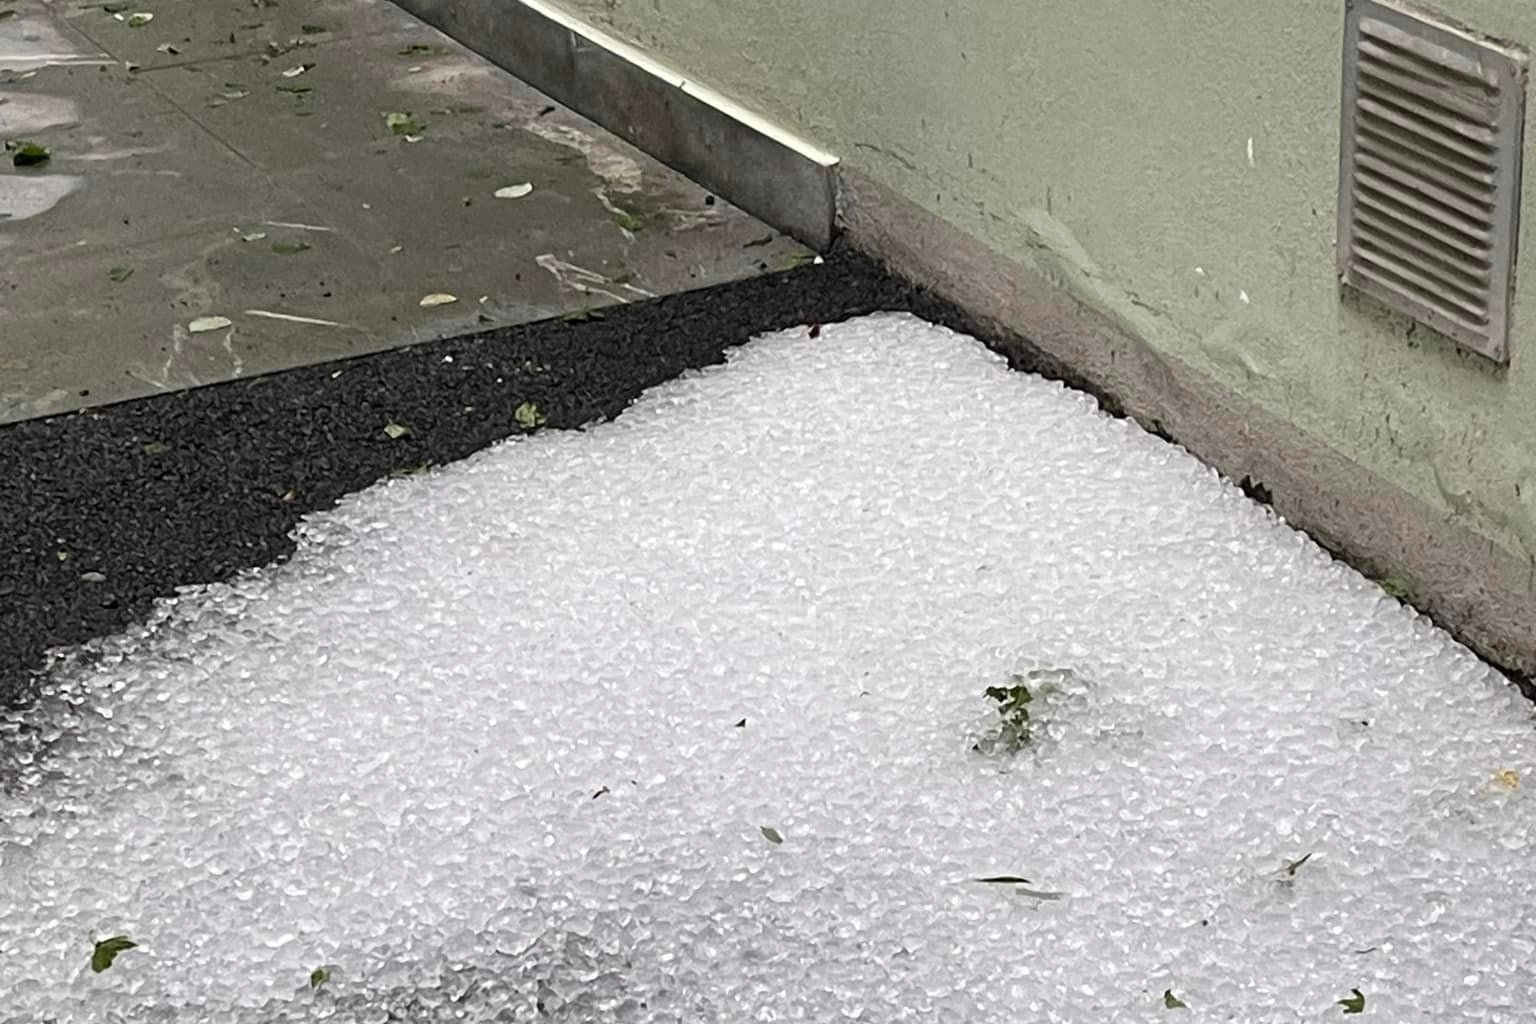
(395, 431)
(117, 275)
(289, 248)
(296, 70)
(1004, 880)
(138, 19)
(106, 951)
(741, 724)
(9, 12)
(156, 448)
(1173, 1002)
(1353, 1003)
(583, 314)
(437, 299)
(204, 324)
(528, 416)
(602, 792)
(167, 48)
(771, 834)
(27, 154)
(628, 221)
(319, 976)
(404, 124)
(415, 50)
(1507, 778)
(1292, 866)
(514, 191)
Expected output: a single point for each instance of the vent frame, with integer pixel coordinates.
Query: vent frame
(1431, 145)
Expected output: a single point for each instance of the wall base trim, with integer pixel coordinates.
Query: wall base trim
(770, 173)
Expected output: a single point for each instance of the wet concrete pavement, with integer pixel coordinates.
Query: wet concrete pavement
(311, 171)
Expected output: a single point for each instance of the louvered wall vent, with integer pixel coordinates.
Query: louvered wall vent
(1429, 171)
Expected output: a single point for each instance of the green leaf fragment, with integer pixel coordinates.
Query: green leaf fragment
(115, 8)
(9, 12)
(1004, 880)
(627, 221)
(120, 274)
(296, 90)
(1355, 1003)
(27, 154)
(404, 123)
(1173, 1002)
(1397, 587)
(139, 19)
(416, 50)
(528, 415)
(312, 30)
(583, 314)
(156, 448)
(289, 248)
(771, 834)
(800, 259)
(106, 951)
(395, 431)
(319, 976)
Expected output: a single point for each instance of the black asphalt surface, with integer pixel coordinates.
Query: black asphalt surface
(102, 512)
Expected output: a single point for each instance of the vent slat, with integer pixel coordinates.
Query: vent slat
(1445, 276)
(1478, 153)
(1436, 57)
(1419, 164)
(1429, 86)
(1429, 170)
(1375, 132)
(1437, 257)
(1419, 109)
(1417, 207)
(1370, 167)
(1477, 248)
(1424, 288)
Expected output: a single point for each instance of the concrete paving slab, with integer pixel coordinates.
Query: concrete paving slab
(206, 182)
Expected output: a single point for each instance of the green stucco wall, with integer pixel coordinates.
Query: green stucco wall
(1107, 143)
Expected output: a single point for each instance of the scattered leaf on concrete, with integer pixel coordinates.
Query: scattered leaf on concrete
(254, 236)
(1354, 1003)
(204, 324)
(628, 221)
(395, 431)
(115, 8)
(106, 951)
(1004, 880)
(156, 448)
(403, 123)
(1172, 1001)
(313, 30)
(1507, 778)
(437, 299)
(93, 577)
(771, 834)
(297, 70)
(289, 248)
(27, 154)
(415, 50)
(119, 274)
(167, 48)
(138, 19)
(319, 976)
(9, 12)
(583, 314)
(296, 90)
(514, 191)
